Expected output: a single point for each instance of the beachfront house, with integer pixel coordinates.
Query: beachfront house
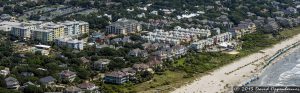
(116, 77)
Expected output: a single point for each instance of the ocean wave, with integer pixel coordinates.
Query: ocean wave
(293, 74)
(298, 60)
(263, 80)
(285, 72)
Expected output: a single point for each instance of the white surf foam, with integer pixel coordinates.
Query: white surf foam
(291, 74)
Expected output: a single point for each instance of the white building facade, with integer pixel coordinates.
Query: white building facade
(69, 42)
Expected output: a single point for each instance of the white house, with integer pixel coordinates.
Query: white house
(4, 72)
(69, 42)
(44, 49)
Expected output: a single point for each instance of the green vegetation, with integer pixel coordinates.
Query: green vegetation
(179, 62)
(165, 79)
(4, 90)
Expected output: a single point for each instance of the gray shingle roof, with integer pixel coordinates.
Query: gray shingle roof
(47, 79)
(86, 85)
(11, 81)
(67, 73)
(116, 74)
(72, 89)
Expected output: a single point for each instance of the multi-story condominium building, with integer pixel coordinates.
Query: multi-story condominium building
(7, 25)
(57, 30)
(124, 26)
(218, 39)
(43, 35)
(83, 27)
(224, 37)
(71, 28)
(196, 31)
(22, 31)
(199, 45)
(45, 31)
(69, 42)
(170, 37)
(74, 28)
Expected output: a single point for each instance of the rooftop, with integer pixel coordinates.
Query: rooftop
(72, 89)
(42, 30)
(123, 22)
(11, 81)
(103, 61)
(140, 66)
(43, 46)
(67, 73)
(50, 25)
(47, 79)
(69, 40)
(86, 85)
(10, 23)
(118, 74)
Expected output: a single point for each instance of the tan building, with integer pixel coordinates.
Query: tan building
(83, 27)
(124, 26)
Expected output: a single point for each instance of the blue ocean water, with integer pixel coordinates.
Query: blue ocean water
(285, 72)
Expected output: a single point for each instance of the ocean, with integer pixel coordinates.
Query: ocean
(285, 72)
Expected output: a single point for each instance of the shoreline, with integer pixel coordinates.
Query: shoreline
(272, 60)
(237, 72)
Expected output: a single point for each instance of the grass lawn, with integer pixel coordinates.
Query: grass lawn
(179, 62)
(290, 32)
(163, 83)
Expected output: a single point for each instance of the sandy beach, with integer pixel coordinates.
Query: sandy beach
(224, 78)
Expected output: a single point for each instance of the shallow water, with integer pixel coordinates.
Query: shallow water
(285, 72)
